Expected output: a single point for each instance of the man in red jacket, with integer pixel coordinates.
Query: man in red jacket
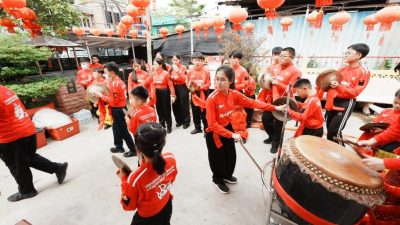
(354, 80)
(286, 75)
(18, 146)
(85, 75)
(117, 100)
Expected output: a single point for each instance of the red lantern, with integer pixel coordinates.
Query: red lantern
(27, 14)
(270, 6)
(218, 31)
(109, 32)
(14, 4)
(249, 27)
(370, 22)
(387, 16)
(339, 19)
(237, 16)
(122, 26)
(7, 22)
(179, 29)
(197, 26)
(96, 32)
(132, 11)
(133, 34)
(142, 5)
(78, 31)
(312, 18)
(218, 21)
(320, 3)
(164, 32)
(127, 20)
(285, 23)
(207, 23)
(1, 4)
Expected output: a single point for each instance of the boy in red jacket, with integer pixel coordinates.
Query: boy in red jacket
(310, 116)
(147, 189)
(354, 80)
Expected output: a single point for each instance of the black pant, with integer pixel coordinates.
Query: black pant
(250, 112)
(181, 105)
(163, 106)
(199, 115)
(314, 132)
(391, 146)
(276, 138)
(336, 120)
(93, 109)
(268, 123)
(222, 160)
(120, 130)
(19, 156)
(161, 218)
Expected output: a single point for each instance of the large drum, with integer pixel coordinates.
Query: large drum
(320, 182)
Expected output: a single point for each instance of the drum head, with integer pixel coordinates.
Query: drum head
(341, 165)
(264, 81)
(92, 89)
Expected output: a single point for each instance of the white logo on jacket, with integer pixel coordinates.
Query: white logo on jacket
(19, 112)
(164, 188)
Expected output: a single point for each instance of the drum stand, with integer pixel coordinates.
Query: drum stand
(273, 215)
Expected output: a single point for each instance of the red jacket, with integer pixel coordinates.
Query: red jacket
(285, 76)
(161, 80)
(178, 77)
(311, 116)
(265, 96)
(354, 81)
(241, 76)
(15, 122)
(142, 78)
(392, 163)
(85, 77)
(389, 135)
(142, 115)
(199, 77)
(389, 116)
(116, 93)
(147, 191)
(250, 90)
(96, 66)
(219, 108)
(274, 68)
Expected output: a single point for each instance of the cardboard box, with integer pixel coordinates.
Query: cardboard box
(66, 131)
(40, 138)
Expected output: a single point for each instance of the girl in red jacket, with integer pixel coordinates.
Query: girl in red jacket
(219, 135)
(147, 189)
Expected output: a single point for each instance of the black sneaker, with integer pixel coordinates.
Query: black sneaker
(179, 125)
(222, 188)
(106, 126)
(169, 130)
(117, 150)
(61, 172)
(274, 149)
(268, 141)
(18, 196)
(186, 126)
(130, 154)
(196, 131)
(232, 180)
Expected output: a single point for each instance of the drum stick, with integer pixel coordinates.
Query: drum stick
(251, 157)
(349, 142)
(284, 122)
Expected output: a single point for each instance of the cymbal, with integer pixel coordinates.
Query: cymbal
(324, 79)
(282, 101)
(367, 127)
(121, 164)
(264, 80)
(94, 88)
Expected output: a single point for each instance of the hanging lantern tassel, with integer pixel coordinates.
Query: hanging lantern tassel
(320, 18)
(218, 31)
(382, 40)
(270, 29)
(206, 34)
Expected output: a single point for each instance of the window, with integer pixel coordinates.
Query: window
(86, 21)
(109, 17)
(117, 17)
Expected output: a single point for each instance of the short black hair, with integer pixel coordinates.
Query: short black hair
(161, 54)
(276, 50)
(291, 50)
(397, 94)
(112, 67)
(236, 54)
(140, 92)
(97, 56)
(98, 70)
(197, 55)
(302, 82)
(85, 59)
(361, 48)
(177, 55)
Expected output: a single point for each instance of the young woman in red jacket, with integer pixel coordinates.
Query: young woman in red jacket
(219, 134)
(147, 189)
(165, 93)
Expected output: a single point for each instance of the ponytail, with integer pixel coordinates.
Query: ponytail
(150, 140)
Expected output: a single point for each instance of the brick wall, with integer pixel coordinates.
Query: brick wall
(71, 103)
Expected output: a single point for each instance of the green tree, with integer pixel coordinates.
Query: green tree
(17, 59)
(55, 16)
(187, 8)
